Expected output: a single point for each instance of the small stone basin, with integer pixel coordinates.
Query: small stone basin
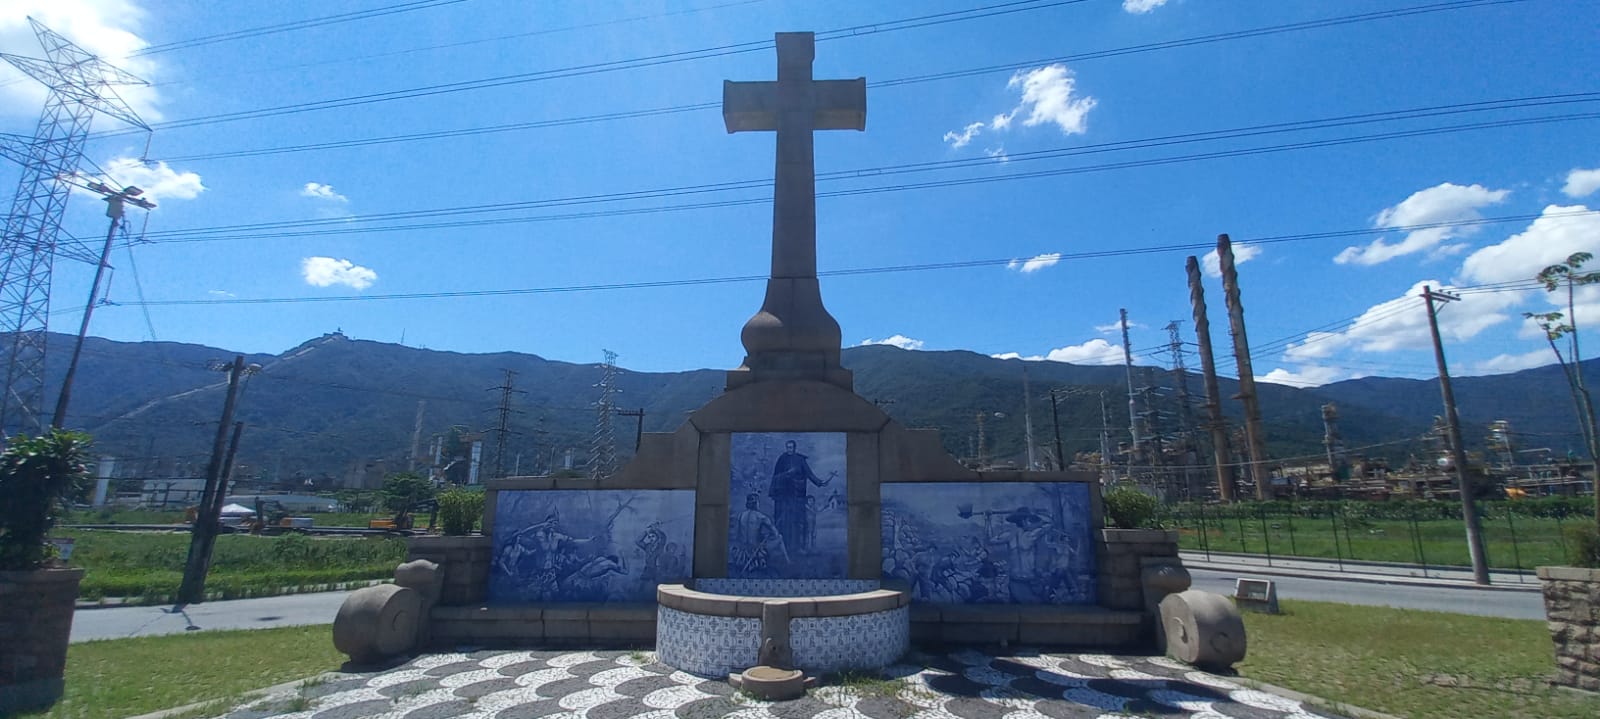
(720, 627)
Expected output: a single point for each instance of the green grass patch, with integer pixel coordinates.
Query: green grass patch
(150, 564)
(126, 677)
(1521, 543)
(156, 516)
(1423, 665)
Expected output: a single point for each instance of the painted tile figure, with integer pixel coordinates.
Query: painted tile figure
(589, 546)
(985, 543)
(788, 527)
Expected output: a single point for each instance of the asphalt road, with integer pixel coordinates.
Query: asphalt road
(285, 611)
(300, 609)
(1460, 600)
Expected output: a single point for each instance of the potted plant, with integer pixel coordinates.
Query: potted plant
(38, 475)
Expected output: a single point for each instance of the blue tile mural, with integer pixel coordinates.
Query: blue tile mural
(611, 545)
(990, 542)
(787, 513)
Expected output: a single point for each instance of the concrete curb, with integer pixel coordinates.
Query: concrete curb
(1354, 712)
(1253, 570)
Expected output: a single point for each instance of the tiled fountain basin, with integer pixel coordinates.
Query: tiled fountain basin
(716, 628)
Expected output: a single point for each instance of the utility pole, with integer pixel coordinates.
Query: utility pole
(220, 500)
(114, 201)
(1255, 436)
(1133, 404)
(416, 436)
(1027, 420)
(1208, 372)
(203, 534)
(1055, 416)
(1458, 453)
(503, 427)
(638, 434)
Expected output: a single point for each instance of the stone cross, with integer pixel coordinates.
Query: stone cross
(793, 336)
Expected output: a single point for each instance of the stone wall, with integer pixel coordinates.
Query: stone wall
(1124, 552)
(35, 621)
(1572, 604)
(464, 561)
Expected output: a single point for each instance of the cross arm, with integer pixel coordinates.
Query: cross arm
(837, 105)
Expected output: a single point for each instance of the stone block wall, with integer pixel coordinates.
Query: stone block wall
(1572, 605)
(1123, 557)
(35, 621)
(464, 561)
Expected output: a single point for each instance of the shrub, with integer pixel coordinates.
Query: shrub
(1129, 508)
(459, 510)
(1583, 543)
(37, 476)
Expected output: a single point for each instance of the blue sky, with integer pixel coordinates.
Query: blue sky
(1540, 162)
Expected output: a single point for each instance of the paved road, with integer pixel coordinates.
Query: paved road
(285, 611)
(1502, 579)
(1461, 600)
(301, 609)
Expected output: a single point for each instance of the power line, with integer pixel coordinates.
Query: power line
(294, 25)
(563, 289)
(341, 225)
(670, 58)
(900, 82)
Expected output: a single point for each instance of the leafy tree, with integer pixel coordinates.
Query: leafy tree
(38, 476)
(1558, 326)
(403, 489)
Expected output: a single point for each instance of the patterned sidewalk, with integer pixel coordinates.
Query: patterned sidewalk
(967, 684)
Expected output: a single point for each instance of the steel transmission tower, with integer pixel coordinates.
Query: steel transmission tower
(80, 85)
(603, 445)
(503, 427)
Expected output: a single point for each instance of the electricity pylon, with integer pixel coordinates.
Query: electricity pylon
(603, 444)
(80, 85)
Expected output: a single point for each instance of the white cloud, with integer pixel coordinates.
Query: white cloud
(1242, 252)
(159, 181)
(1047, 98)
(319, 191)
(1550, 239)
(327, 271)
(220, 293)
(1306, 376)
(960, 139)
(1500, 364)
(1402, 324)
(1582, 182)
(901, 341)
(1445, 202)
(107, 28)
(1093, 352)
(1115, 326)
(1035, 263)
(997, 153)
(1140, 7)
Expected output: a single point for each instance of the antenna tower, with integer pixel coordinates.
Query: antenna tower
(80, 85)
(603, 446)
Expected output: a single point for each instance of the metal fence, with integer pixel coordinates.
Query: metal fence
(1425, 536)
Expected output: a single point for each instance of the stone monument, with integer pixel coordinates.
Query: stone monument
(790, 522)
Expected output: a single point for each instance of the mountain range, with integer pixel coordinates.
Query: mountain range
(335, 408)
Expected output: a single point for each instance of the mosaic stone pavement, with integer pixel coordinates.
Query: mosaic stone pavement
(966, 684)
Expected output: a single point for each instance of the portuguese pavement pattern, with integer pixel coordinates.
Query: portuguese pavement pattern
(967, 684)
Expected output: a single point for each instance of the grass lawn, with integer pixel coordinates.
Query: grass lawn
(1423, 665)
(126, 677)
(1538, 542)
(150, 564)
